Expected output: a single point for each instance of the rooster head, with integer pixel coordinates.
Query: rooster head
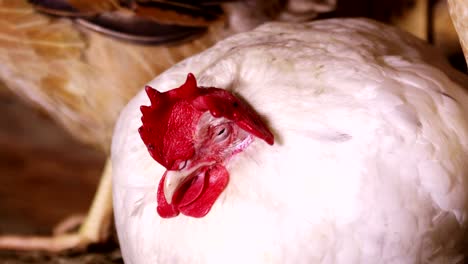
(193, 132)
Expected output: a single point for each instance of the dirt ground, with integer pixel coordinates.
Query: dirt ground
(45, 176)
(97, 257)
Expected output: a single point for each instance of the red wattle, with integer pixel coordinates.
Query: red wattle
(196, 197)
(191, 191)
(164, 209)
(216, 180)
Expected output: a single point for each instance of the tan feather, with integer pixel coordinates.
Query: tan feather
(459, 13)
(93, 6)
(81, 78)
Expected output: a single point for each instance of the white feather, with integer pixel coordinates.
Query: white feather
(369, 163)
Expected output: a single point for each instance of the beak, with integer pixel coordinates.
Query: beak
(175, 178)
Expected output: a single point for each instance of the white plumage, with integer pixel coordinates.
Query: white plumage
(370, 162)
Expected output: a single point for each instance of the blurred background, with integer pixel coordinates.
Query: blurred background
(68, 67)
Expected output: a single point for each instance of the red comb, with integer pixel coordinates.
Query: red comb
(186, 99)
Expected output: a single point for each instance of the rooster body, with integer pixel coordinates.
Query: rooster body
(368, 166)
(83, 64)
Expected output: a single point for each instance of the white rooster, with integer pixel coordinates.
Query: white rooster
(369, 161)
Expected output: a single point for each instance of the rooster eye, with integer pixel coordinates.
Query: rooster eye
(221, 133)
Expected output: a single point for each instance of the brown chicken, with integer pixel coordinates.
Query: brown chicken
(85, 62)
